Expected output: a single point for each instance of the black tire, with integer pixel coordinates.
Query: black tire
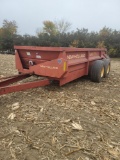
(97, 71)
(106, 67)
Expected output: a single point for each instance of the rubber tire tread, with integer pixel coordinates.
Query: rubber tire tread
(95, 71)
(106, 63)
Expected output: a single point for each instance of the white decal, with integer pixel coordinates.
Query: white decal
(76, 56)
(28, 53)
(48, 67)
(38, 56)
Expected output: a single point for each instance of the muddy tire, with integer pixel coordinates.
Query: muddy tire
(106, 67)
(97, 71)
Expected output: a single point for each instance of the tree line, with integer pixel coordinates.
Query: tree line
(57, 34)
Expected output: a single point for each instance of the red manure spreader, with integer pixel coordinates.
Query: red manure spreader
(62, 64)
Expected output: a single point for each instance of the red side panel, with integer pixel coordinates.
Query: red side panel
(63, 64)
(54, 68)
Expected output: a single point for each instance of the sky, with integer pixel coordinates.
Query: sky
(90, 14)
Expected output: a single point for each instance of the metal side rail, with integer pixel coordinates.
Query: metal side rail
(7, 87)
(12, 79)
(24, 86)
(4, 78)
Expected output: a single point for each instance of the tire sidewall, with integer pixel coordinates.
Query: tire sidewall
(107, 64)
(95, 71)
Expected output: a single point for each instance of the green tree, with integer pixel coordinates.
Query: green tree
(7, 34)
(62, 26)
(105, 32)
(101, 44)
(49, 27)
(10, 26)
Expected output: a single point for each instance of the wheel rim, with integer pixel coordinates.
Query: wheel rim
(102, 72)
(108, 69)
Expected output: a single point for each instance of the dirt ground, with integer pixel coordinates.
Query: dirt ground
(79, 121)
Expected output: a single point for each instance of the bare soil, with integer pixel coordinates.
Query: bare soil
(79, 121)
